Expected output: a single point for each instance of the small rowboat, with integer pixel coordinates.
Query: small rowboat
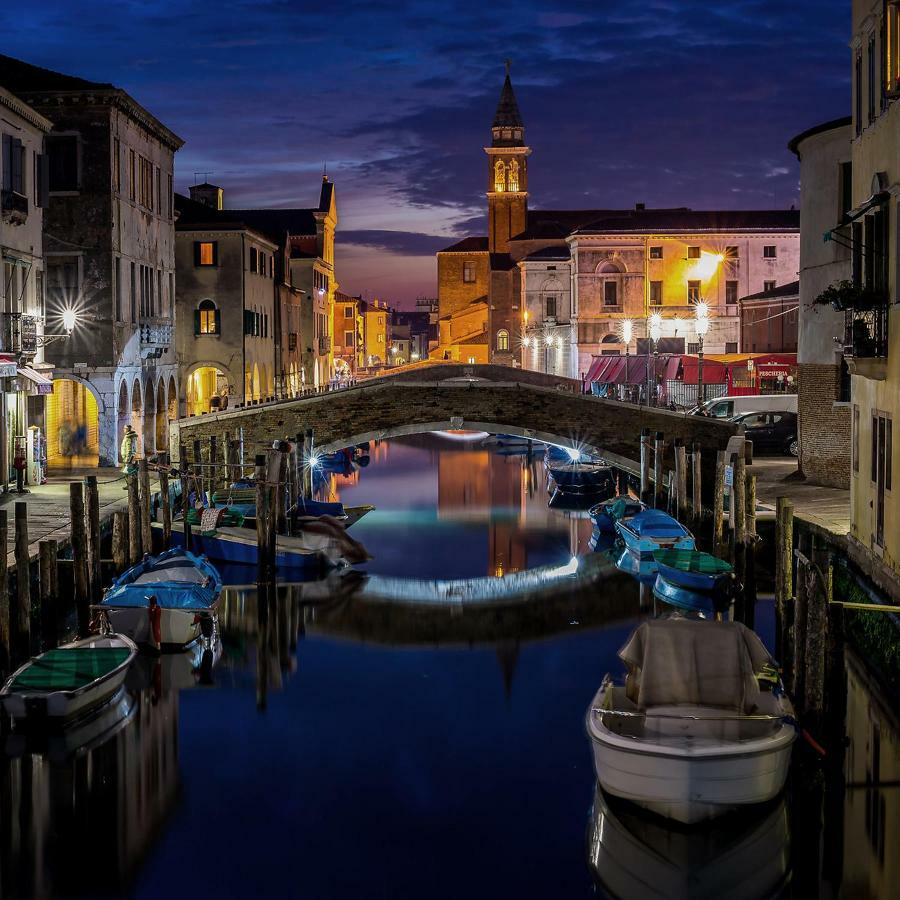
(606, 514)
(693, 734)
(165, 600)
(690, 579)
(70, 682)
(583, 477)
(653, 530)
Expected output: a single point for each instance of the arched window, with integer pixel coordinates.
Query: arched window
(512, 179)
(611, 339)
(503, 339)
(206, 318)
(499, 176)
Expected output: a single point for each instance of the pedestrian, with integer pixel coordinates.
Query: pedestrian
(128, 451)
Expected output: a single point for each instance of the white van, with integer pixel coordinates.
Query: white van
(727, 407)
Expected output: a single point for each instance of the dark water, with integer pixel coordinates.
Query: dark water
(362, 739)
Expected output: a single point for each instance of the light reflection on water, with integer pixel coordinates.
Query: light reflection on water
(347, 744)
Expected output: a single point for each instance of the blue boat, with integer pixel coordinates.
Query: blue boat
(644, 570)
(652, 530)
(690, 579)
(606, 514)
(580, 477)
(170, 599)
(682, 598)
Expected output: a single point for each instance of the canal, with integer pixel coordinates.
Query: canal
(416, 730)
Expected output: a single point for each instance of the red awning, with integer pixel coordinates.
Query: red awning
(713, 372)
(598, 364)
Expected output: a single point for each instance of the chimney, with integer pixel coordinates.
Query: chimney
(640, 207)
(208, 194)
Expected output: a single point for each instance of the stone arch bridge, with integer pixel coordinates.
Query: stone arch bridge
(481, 398)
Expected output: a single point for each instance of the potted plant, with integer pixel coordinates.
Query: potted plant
(845, 294)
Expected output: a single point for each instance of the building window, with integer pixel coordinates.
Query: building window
(117, 165)
(13, 165)
(468, 272)
(693, 348)
(656, 293)
(206, 318)
(499, 176)
(62, 282)
(550, 306)
(254, 263)
(770, 251)
(892, 47)
(146, 183)
(731, 347)
(656, 253)
(693, 253)
(857, 86)
(693, 292)
(871, 77)
(503, 339)
(349, 338)
(348, 312)
(854, 450)
(206, 253)
(846, 188)
(874, 434)
(170, 193)
(512, 180)
(732, 252)
(62, 152)
(731, 289)
(472, 360)
(292, 340)
(768, 285)
(610, 293)
(133, 292)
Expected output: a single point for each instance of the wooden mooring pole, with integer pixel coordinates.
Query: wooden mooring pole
(681, 479)
(262, 522)
(23, 580)
(819, 597)
(213, 465)
(48, 552)
(146, 530)
(659, 455)
(92, 515)
(719, 502)
(751, 542)
(80, 556)
(120, 541)
(646, 489)
(784, 573)
(166, 508)
(5, 640)
(696, 484)
(134, 520)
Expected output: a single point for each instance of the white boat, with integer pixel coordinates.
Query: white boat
(69, 682)
(635, 854)
(167, 600)
(691, 735)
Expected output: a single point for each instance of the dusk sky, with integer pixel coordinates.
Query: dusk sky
(666, 102)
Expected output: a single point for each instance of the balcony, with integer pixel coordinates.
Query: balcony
(14, 207)
(866, 341)
(324, 343)
(155, 336)
(20, 333)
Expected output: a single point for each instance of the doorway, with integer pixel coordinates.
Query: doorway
(882, 439)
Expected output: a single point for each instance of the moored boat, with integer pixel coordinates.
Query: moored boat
(652, 530)
(165, 600)
(608, 512)
(591, 477)
(692, 734)
(69, 682)
(691, 579)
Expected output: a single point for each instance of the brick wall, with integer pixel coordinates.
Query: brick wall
(376, 408)
(824, 426)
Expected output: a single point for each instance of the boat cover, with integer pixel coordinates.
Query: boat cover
(318, 508)
(693, 561)
(678, 661)
(654, 523)
(178, 580)
(69, 668)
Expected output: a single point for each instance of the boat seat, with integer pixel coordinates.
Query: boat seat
(686, 662)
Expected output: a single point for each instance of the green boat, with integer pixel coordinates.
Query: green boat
(69, 682)
(692, 569)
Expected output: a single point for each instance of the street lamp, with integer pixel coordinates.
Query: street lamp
(655, 331)
(627, 331)
(702, 325)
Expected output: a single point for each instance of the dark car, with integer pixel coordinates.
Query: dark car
(771, 432)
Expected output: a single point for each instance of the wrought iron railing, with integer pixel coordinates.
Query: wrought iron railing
(155, 332)
(12, 202)
(20, 333)
(866, 332)
(324, 343)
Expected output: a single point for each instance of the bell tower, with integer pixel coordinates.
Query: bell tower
(507, 191)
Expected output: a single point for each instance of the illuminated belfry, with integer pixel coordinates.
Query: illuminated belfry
(507, 190)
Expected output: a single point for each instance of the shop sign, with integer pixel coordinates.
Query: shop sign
(8, 370)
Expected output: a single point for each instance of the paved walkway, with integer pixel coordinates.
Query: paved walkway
(827, 508)
(48, 505)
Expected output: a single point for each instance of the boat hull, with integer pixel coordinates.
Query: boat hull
(683, 598)
(583, 477)
(689, 785)
(177, 627)
(693, 581)
(644, 546)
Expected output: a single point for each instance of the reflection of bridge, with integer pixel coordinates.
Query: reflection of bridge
(492, 398)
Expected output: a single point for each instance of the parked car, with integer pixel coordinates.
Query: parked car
(729, 407)
(771, 432)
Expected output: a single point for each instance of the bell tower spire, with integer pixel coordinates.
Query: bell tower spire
(507, 190)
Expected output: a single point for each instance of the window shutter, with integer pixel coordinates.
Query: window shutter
(196, 253)
(196, 321)
(42, 176)
(217, 321)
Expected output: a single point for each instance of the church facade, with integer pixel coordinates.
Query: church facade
(551, 289)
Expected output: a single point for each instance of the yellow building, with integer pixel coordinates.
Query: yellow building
(872, 340)
(376, 315)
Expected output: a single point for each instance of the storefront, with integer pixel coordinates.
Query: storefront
(72, 426)
(22, 419)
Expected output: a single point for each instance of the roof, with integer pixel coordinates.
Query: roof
(26, 80)
(278, 222)
(24, 111)
(550, 253)
(560, 223)
(791, 289)
(195, 216)
(795, 142)
(468, 245)
(507, 115)
(326, 194)
(691, 221)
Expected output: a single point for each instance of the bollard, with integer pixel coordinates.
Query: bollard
(80, 556)
(92, 509)
(120, 541)
(784, 572)
(134, 520)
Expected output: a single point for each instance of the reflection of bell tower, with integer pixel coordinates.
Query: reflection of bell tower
(507, 191)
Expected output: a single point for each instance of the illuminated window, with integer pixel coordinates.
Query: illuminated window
(503, 339)
(693, 253)
(512, 180)
(892, 47)
(206, 318)
(693, 292)
(656, 293)
(206, 253)
(499, 176)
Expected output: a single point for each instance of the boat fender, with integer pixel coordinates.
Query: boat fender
(816, 746)
(154, 612)
(206, 626)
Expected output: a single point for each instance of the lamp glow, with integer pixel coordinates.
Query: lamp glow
(655, 327)
(69, 318)
(627, 331)
(702, 313)
(574, 454)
